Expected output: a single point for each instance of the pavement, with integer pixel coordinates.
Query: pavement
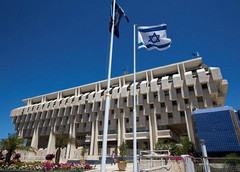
(113, 168)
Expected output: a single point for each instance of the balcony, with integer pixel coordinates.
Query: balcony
(140, 135)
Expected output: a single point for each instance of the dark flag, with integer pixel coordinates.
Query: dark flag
(119, 13)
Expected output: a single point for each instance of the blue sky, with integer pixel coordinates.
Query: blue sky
(46, 46)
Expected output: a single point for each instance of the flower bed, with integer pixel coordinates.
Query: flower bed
(38, 166)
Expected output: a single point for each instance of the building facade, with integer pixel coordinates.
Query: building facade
(219, 127)
(166, 97)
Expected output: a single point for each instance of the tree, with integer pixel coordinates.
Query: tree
(232, 160)
(161, 145)
(13, 143)
(123, 149)
(187, 146)
(83, 152)
(61, 142)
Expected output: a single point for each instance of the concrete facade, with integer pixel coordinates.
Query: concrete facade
(166, 97)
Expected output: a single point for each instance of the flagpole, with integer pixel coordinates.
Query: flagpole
(134, 103)
(107, 105)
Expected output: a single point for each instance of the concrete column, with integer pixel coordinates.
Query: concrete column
(119, 140)
(150, 133)
(95, 153)
(35, 138)
(51, 142)
(71, 146)
(154, 128)
(123, 128)
(92, 139)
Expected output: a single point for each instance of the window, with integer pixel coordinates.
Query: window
(158, 116)
(170, 115)
(147, 118)
(140, 108)
(127, 120)
(151, 106)
(131, 109)
(109, 122)
(200, 99)
(137, 119)
(99, 104)
(100, 123)
(162, 105)
(112, 112)
(84, 124)
(174, 103)
(115, 101)
(166, 93)
(125, 100)
(204, 86)
(178, 90)
(121, 110)
(186, 101)
(144, 96)
(155, 95)
(190, 88)
(182, 114)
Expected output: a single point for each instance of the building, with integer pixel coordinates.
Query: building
(166, 97)
(220, 129)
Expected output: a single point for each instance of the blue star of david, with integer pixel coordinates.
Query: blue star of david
(154, 38)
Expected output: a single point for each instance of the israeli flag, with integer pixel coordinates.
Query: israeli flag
(153, 37)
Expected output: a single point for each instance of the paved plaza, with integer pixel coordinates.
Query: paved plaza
(111, 168)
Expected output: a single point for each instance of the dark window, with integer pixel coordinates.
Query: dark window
(147, 118)
(131, 109)
(174, 103)
(99, 104)
(182, 114)
(112, 112)
(162, 105)
(85, 124)
(127, 120)
(200, 99)
(151, 106)
(109, 122)
(115, 101)
(155, 95)
(170, 115)
(100, 123)
(144, 96)
(137, 119)
(158, 116)
(204, 86)
(166, 93)
(178, 90)
(125, 100)
(191, 88)
(186, 101)
(140, 107)
(121, 110)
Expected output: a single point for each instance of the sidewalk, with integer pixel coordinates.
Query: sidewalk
(113, 168)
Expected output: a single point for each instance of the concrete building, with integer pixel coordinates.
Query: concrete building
(220, 129)
(166, 97)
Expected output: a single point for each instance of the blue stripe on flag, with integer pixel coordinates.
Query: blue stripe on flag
(152, 45)
(153, 29)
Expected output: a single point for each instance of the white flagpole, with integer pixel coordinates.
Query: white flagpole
(134, 104)
(107, 105)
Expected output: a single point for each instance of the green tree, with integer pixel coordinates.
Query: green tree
(162, 145)
(187, 146)
(123, 149)
(232, 160)
(13, 143)
(61, 142)
(83, 152)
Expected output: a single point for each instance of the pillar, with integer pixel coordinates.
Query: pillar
(51, 142)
